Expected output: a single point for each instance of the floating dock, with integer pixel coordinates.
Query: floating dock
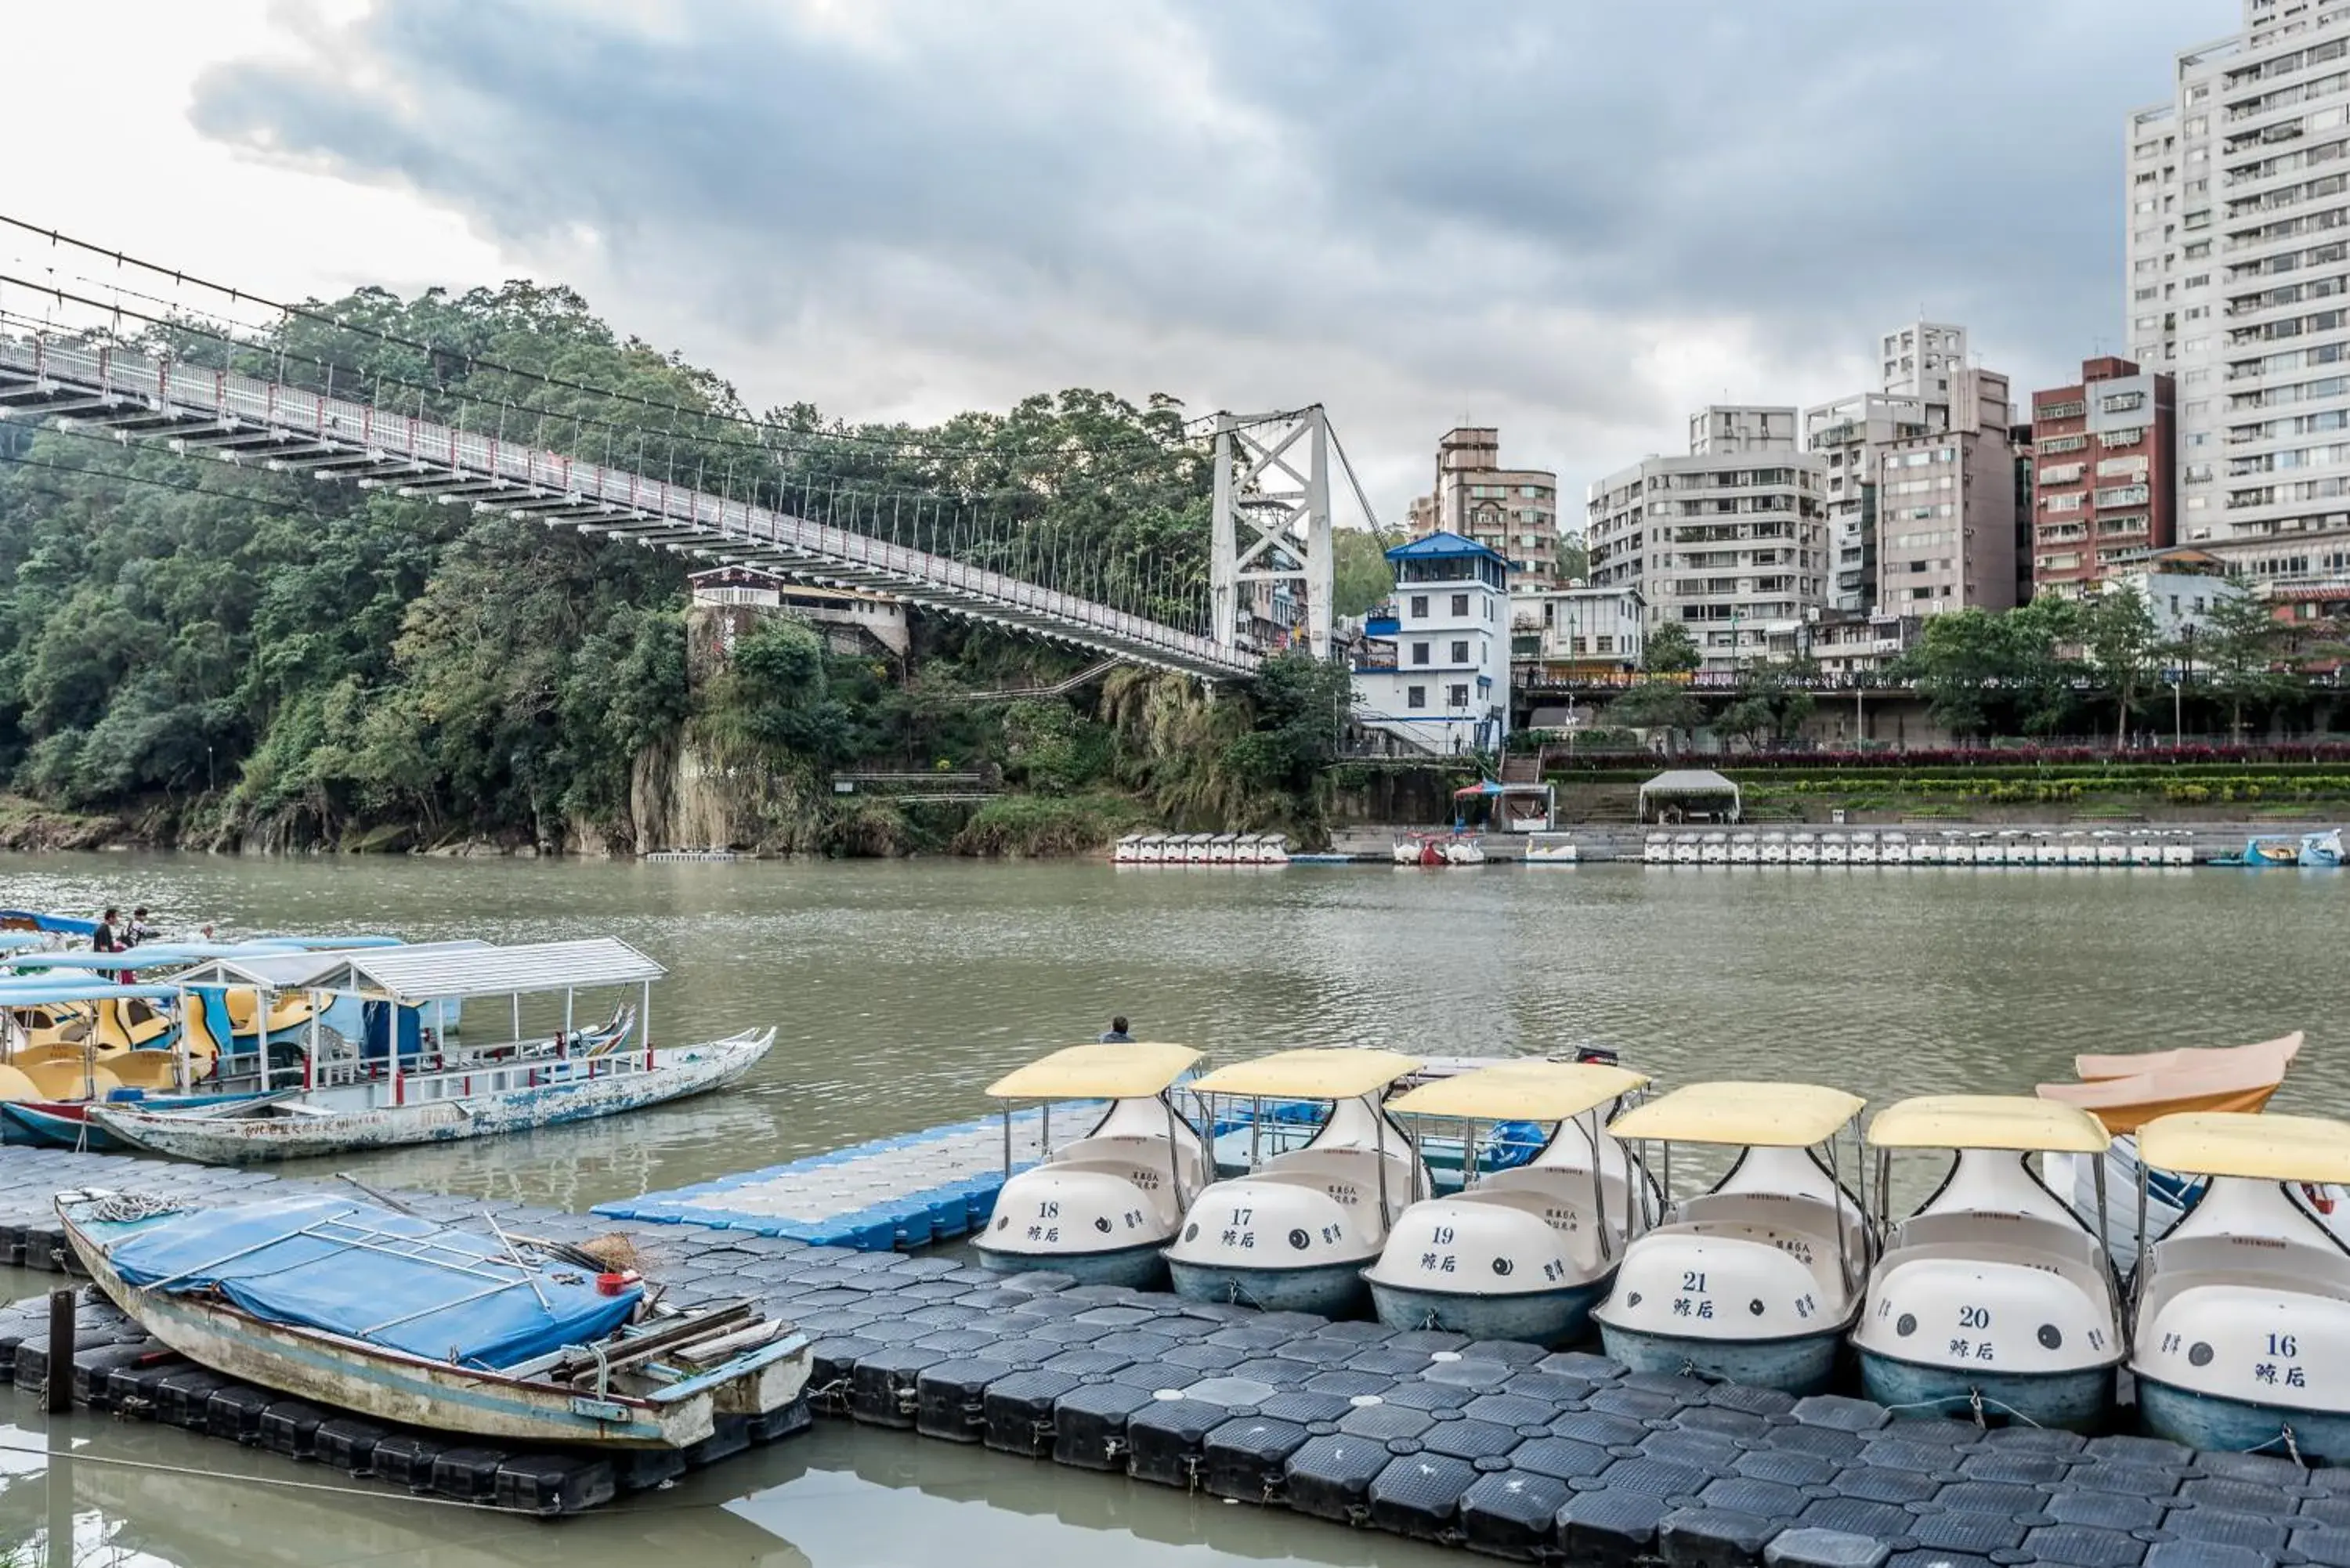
(1500, 1447)
(894, 1192)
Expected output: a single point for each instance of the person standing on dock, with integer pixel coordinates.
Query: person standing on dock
(1116, 1033)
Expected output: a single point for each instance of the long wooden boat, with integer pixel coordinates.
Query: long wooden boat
(470, 1099)
(398, 1318)
(65, 1124)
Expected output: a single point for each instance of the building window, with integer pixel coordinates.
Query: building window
(1458, 696)
(1460, 605)
(1575, 645)
(1606, 644)
(1419, 653)
(1419, 606)
(1460, 651)
(1415, 696)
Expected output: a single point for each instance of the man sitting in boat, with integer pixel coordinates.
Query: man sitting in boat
(1116, 1033)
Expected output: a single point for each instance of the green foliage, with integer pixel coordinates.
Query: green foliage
(1031, 826)
(2126, 650)
(1669, 650)
(1977, 669)
(1573, 558)
(1250, 759)
(1361, 575)
(1655, 705)
(2238, 655)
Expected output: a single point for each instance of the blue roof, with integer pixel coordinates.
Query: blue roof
(1440, 545)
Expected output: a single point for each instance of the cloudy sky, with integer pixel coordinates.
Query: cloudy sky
(1576, 219)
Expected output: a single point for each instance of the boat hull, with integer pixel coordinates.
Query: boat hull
(444, 1398)
(55, 1126)
(246, 1140)
(1334, 1290)
(1802, 1365)
(2080, 1400)
(1141, 1268)
(2207, 1422)
(1538, 1317)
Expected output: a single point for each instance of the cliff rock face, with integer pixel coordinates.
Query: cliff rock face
(681, 798)
(681, 795)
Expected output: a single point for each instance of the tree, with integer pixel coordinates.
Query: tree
(2125, 645)
(1572, 558)
(1360, 575)
(1655, 705)
(1669, 650)
(1748, 719)
(2238, 650)
(1975, 668)
(1955, 665)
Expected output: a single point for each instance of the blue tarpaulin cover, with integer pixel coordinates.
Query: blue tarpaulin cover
(367, 1272)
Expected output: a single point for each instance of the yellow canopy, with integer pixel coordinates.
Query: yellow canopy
(1750, 1115)
(1313, 1075)
(1533, 1091)
(1989, 1121)
(2241, 1143)
(1107, 1072)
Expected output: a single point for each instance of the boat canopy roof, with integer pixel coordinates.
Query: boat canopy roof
(1338, 1073)
(1104, 1072)
(320, 943)
(1989, 1121)
(42, 990)
(2247, 1143)
(296, 969)
(395, 1281)
(1750, 1116)
(11, 941)
(411, 975)
(1532, 1090)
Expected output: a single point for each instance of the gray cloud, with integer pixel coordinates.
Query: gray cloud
(1567, 219)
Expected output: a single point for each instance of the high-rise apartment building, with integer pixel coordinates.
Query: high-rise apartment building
(1513, 512)
(1730, 541)
(1920, 359)
(1926, 390)
(1946, 507)
(2238, 284)
(1846, 435)
(2103, 480)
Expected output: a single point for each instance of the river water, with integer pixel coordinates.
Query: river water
(898, 989)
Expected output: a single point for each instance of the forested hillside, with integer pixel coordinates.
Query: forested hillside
(191, 652)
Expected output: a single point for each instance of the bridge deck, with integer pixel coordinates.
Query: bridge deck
(244, 418)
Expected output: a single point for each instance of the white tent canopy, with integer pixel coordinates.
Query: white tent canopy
(1694, 790)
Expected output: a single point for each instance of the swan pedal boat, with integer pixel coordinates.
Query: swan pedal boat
(1994, 1297)
(1523, 1252)
(1099, 1209)
(1295, 1234)
(1756, 1281)
(2242, 1340)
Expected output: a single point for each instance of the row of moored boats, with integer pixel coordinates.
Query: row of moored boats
(286, 1046)
(1201, 849)
(1531, 1200)
(1891, 846)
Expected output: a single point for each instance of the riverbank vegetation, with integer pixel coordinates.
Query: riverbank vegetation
(191, 653)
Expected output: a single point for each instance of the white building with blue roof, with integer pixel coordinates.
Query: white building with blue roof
(1433, 669)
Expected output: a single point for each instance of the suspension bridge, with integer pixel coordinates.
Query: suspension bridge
(1270, 566)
